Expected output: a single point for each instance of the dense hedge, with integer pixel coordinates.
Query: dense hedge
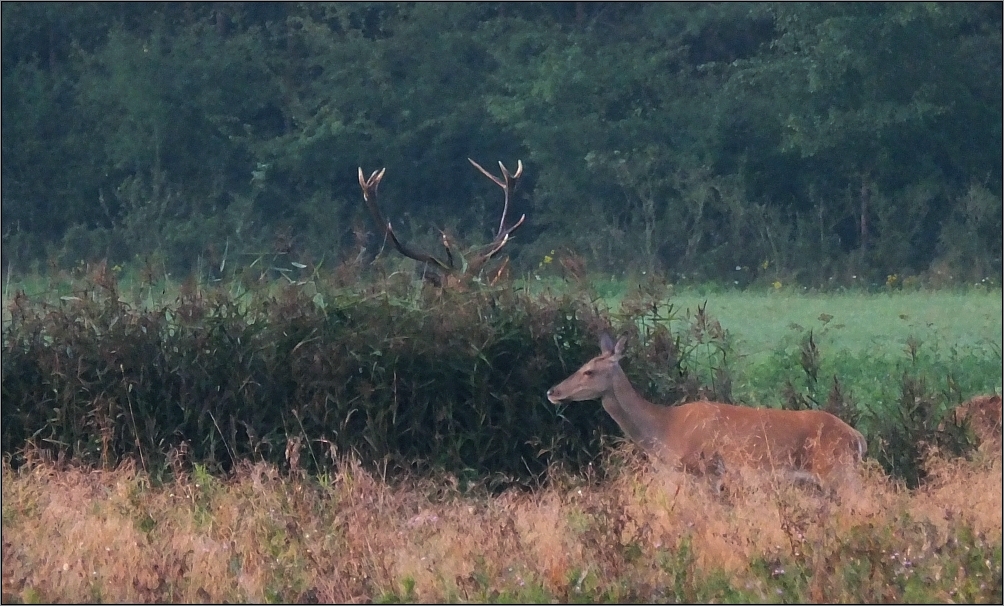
(295, 372)
(404, 376)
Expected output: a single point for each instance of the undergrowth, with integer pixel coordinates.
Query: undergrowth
(73, 534)
(298, 372)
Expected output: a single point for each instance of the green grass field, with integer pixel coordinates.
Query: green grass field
(863, 339)
(760, 321)
(859, 323)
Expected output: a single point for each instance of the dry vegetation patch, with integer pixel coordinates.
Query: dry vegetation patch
(73, 534)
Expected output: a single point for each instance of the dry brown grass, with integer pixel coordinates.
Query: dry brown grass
(74, 534)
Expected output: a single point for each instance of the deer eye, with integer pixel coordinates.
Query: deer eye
(588, 373)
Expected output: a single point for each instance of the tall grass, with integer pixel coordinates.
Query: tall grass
(643, 535)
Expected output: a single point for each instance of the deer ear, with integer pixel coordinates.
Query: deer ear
(619, 348)
(606, 344)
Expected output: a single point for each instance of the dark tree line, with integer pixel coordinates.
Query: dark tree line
(800, 142)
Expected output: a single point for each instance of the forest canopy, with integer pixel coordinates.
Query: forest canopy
(807, 143)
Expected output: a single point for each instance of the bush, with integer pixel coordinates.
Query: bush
(297, 372)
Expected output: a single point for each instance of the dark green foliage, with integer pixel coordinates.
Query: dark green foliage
(296, 373)
(903, 423)
(838, 401)
(819, 144)
(918, 422)
(901, 433)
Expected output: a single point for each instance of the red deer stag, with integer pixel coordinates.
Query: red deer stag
(705, 437)
(453, 271)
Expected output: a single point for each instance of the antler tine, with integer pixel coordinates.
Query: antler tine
(510, 186)
(488, 174)
(446, 245)
(512, 228)
(369, 187)
(507, 185)
(519, 170)
(495, 245)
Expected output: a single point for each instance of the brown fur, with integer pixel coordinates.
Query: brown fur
(809, 444)
(984, 416)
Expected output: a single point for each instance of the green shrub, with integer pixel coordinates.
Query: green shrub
(298, 372)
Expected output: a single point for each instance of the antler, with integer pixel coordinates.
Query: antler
(486, 252)
(508, 184)
(370, 187)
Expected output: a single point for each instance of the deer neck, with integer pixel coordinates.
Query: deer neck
(641, 420)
